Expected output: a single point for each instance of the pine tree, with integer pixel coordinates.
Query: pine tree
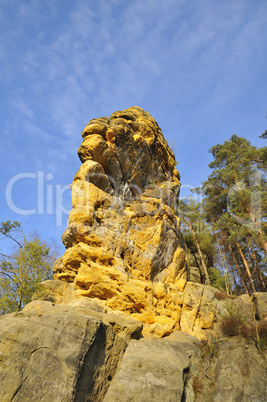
(235, 200)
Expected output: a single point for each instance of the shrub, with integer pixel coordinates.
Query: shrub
(234, 325)
(217, 279)
(222, 296)
(197, 385)
(262, 330)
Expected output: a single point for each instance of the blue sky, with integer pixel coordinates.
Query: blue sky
(199, 67)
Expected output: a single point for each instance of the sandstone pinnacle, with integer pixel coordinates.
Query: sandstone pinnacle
(124, 245)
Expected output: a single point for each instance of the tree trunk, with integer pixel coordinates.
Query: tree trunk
(20, 299)
(263, 284)
(263, 243)
(224, 263)
(238, 270)
(204, 266)
(246, 266)
(20, 282)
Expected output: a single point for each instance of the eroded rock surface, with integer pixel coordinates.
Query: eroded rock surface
(81, 351)
(57, 353)
(228, 370)
(181, 368)
(152, 369)
(123, 241)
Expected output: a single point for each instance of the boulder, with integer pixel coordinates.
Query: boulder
(152, 370)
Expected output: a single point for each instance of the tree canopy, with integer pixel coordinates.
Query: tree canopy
(235, 209)
(22, 269)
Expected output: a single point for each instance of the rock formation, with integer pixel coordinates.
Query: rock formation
(123, 320)
(123, 241)
(79, 351)
(55, 353)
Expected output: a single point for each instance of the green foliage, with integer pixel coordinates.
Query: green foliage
(217, 279)
(8, 226)
(228, 228)
(264, 135)
(235, 163)
(189, 241)
(207, 245)
(198, 238)
(235, 205)
(22, 271)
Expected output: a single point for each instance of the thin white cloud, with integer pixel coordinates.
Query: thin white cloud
(65, 62)
(21, 107)
(106, 54)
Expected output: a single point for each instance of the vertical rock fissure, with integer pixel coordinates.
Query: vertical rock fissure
(198, 308)
(92, 360)
(99, 365)
(21, 384)
(185, 378)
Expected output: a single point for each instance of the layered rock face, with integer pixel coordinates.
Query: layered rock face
(123, 240)
(80, 352)
(58, 353)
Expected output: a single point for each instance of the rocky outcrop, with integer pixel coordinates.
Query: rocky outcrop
(194, 268)
(80, 352)
(60, 353)
(124, 245)
(124, 319)
(152, 369)
(240, 373)
(198, 310)
(260, 302)
(201, 308)
(180, 368)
